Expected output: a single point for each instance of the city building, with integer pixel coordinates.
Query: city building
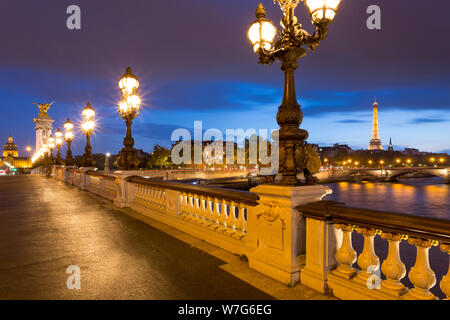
(390, 147)
(411, 151)
(330, 152)
(10, 157)
(375, 142)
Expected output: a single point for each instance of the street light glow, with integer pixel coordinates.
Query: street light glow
(262, 32)
(322, 11)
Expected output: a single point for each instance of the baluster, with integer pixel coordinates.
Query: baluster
(223, 217)
(138, 194)
(183, 205)
(231, 220)
(216, 214)
(144, 195)
(201, 210)
(393, 267)
(160, 204)
(190, 214)
(196, 209)
(164, 199)
(445, 282)
(421, 275)
(209, 215)
(240, 223)
(346, 255)
(153, 197)
(368, 261)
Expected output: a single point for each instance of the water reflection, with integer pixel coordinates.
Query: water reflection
(429, 197)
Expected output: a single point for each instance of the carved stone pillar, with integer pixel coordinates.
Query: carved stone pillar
(445, 282)
(346, 255)
(368, 261)
(393, 267)
(421, 275)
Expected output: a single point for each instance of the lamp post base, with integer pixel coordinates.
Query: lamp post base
(128, 159)
(87, 160)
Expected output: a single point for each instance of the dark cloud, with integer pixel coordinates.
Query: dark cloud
(428, 120)
(351, 121)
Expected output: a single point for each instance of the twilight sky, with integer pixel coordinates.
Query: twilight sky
(195, 64)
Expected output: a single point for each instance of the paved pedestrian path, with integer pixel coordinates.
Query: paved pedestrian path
(47, 226)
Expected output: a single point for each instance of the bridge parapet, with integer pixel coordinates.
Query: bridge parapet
(330, 255)
(261, 225)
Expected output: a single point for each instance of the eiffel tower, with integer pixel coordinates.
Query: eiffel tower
(375, 143)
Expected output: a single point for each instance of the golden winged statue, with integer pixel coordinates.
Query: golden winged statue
(43, 108)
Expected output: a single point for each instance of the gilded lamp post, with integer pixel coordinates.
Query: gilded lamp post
(88, 127)
(68, 136)
(58, 142)
(128, 109)
(51, 145)
(295, 155)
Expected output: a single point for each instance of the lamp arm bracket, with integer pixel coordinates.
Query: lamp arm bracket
(312, 41)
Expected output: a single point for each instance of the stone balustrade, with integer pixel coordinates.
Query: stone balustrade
(262, 225)
(287, 233)
(333, 265)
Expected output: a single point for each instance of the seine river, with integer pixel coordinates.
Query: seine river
(428, 197)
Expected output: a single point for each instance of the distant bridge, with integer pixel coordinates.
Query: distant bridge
(383, 174)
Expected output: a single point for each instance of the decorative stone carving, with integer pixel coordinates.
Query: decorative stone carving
(368, 259)
(445, 282)
(346, 255)
(421, 275)
(393, 268)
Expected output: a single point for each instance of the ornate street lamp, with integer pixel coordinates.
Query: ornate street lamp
(51, 145)
(128, 109)
(58, 142)
(46, 157)
(68, 136)
(88, 127)
(295, 155)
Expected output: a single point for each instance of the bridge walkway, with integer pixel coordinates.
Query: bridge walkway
(46, 226)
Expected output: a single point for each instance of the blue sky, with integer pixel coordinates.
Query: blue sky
(195, 63)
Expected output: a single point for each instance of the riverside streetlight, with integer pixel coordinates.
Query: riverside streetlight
(51, 145)
(88, 127)
(68, 136)
(107, 162)
(128, 109)
(295, 155)
(58, 142)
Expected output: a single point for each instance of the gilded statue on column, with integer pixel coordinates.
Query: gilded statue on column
(43, 108)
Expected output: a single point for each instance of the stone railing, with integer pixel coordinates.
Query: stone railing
(330, 256)
(101, 184)
(220, 216)
(261, 225)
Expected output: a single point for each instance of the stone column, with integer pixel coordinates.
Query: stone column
(43, 130)
(279, 229)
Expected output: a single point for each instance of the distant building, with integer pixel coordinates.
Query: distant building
(11, 157)
(411, 151)
(390, 147)
(329, 152)
(375, 142)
